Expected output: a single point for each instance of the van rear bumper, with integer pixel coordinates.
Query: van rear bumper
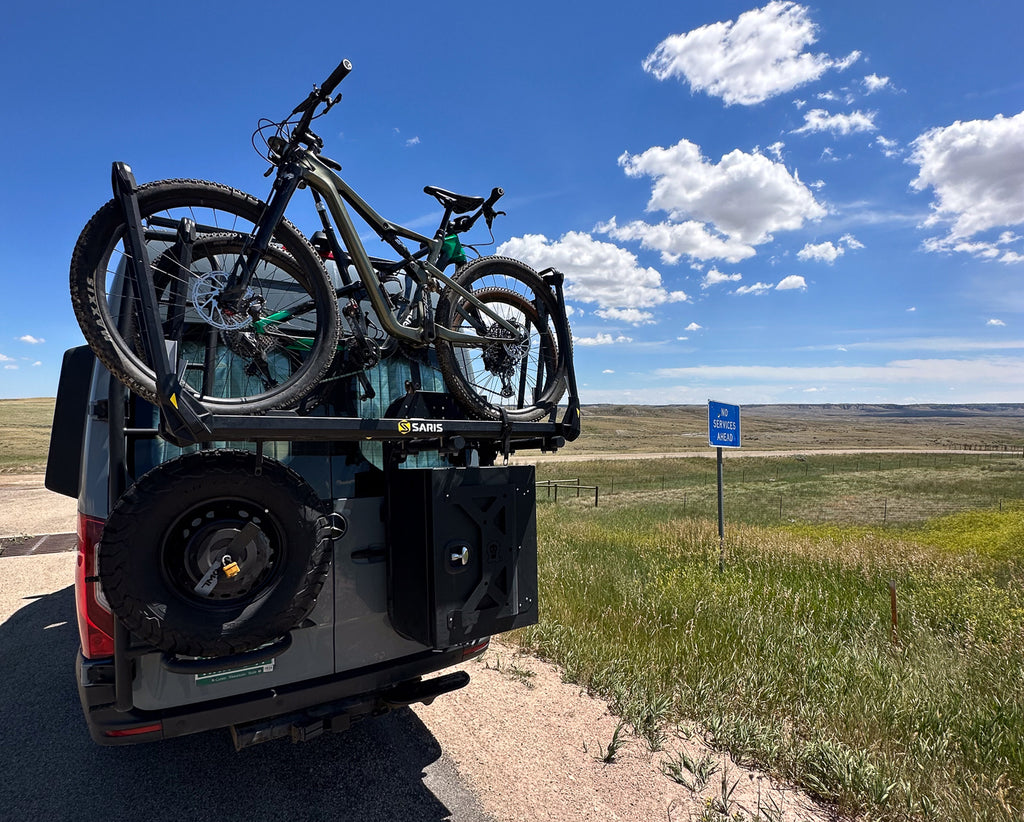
(302, 710)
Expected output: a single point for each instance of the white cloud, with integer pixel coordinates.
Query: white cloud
(890, 148)
(828, 252)
(673, 240)
(10, 368)
(595, 271)
(941, 344)
(981, 249)
(875, 83)
(693, 327)
(756, 288)
(794, 282)
(608, 371)
(847, 61)
(818, 119)
(912, 309)
(746, 197)
(28, 338)
(716, 277)
(1007, 371)
(413, 141)
(630, 315)
(995, 322)
(976, 171)
(746, 61)
(602, 339)
(821, 252)
(5, 359)
(37, 363)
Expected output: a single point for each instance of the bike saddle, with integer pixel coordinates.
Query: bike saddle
(458, 203)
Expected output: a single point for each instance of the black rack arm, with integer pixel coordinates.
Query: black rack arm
(571, 420)
(183, 420)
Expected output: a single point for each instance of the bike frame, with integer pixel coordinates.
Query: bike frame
(307, 167)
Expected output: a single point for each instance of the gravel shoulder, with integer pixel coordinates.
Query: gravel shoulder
(532, 746)
(27, 508)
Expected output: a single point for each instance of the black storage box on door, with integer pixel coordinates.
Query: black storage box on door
(461, 552)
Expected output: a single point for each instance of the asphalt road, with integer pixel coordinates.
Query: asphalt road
(390, 768)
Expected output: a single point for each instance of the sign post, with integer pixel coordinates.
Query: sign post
(723, 432)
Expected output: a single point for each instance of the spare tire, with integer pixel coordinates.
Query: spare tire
(214, 508)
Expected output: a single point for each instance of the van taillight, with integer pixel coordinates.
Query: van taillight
(95, 622)
(477, 649)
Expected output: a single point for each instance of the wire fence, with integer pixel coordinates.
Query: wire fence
(884, 489)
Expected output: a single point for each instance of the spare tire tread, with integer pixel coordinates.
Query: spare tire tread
(131, 550)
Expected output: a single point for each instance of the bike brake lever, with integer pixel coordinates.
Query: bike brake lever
(490, 214)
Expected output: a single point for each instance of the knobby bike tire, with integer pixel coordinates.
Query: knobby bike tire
(169, 527)
(255, 372)
(520, 381)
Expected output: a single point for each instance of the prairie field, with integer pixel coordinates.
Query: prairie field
(787, 655)
(25, 433)
(659, 429)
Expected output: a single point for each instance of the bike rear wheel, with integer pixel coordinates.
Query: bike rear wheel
(517, 374)
(268, 357)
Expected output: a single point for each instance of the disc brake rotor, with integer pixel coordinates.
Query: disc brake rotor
(204, 292)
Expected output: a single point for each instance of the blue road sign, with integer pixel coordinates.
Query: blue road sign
(723, 425)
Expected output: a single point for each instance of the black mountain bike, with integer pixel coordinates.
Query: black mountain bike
(250, 318)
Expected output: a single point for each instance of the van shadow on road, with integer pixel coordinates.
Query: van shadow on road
(381, 769)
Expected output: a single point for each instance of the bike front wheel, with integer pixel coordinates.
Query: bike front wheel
(515, 369)
(268, 356)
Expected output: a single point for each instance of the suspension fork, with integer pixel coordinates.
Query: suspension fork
(285, 186)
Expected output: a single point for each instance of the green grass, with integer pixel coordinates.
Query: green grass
(866, 489)
(786, 659)
(25, 433)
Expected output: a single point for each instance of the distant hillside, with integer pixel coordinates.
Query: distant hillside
(665, 428)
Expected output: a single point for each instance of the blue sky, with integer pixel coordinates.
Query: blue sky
(755, 202)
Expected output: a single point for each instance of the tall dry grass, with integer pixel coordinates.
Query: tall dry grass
(787, 658)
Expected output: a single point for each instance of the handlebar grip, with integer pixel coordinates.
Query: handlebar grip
(496, 194)
(339, 74)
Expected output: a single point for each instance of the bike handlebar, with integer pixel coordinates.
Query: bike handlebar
(496, 194)
(339, 74)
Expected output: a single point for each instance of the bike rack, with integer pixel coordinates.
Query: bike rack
(420, 423)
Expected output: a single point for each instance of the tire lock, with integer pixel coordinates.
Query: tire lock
(209, 581)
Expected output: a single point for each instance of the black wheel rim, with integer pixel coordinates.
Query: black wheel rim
(212, 530)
